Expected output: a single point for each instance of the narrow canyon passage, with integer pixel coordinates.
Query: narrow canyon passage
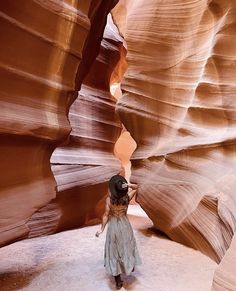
(73, 260)
(90, 89)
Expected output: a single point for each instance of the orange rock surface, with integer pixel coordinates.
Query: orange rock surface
(45, 54)
(178, 105)
(84, 166)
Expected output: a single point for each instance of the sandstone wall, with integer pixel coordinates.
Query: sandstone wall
(83, 167)
(45, 53)
(224, 277)
(178, 105)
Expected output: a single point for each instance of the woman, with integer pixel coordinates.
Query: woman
(121, 253)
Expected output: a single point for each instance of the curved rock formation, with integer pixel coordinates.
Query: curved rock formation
(224, 278)
(83, 167)
(45, 47)
(178, 106)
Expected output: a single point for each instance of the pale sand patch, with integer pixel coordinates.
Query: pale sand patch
(73, 260)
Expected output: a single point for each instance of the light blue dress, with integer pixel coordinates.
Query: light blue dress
(121, 253)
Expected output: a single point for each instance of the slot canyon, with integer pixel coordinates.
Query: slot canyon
(94, 88)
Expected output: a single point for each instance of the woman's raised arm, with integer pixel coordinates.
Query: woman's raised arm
(131, 193)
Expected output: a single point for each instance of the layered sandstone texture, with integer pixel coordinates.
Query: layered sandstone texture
(179, 107)
(83, 167)
(45, 53)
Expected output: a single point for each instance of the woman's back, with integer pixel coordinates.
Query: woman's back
(119, 210)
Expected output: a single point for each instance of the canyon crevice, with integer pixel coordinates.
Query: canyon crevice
(60, 125)
(177, 104)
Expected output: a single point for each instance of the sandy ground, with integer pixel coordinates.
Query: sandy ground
(73, 260)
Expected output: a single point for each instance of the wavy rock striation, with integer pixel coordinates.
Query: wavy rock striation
(83, 167)
(178, 106)
(45, 47)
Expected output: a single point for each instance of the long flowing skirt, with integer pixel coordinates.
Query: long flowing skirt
(121, 253)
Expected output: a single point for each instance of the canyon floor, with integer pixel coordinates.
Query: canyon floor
(73, 260)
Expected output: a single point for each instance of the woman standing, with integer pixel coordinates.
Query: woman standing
(121, 253)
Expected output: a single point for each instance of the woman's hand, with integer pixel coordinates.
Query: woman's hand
(133, 186)
(98, 233)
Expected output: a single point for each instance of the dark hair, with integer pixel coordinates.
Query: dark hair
(118, 190)
(119, 200)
